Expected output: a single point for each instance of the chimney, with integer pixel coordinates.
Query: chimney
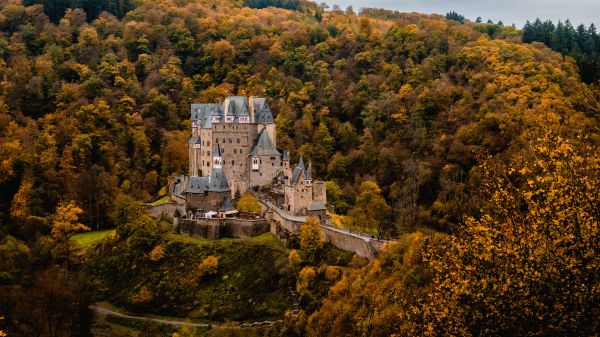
(251, 106)
(226, 109)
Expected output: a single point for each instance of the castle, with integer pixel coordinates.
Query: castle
(233, 149)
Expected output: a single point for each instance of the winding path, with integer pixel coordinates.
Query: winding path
(104, 311)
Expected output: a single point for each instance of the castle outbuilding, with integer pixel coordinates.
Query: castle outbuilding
(302, 195)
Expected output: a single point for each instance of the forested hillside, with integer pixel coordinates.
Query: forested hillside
(94, 109)
(414, 121)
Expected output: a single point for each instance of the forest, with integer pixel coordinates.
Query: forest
(472, 144)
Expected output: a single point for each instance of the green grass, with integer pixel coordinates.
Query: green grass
(164, 200)
(89, 239)
(268, 238)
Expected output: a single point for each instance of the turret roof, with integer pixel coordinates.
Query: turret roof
(264, 146)
(217, 182)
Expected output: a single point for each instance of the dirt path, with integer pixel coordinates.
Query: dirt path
(105, 311)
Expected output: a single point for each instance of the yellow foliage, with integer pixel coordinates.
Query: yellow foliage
(144, 296)
(294, 260)
(209, 265)
(305, 278)
(157, 253)
(332, 273)
(19, 203)
(310, 235)
(248, 203)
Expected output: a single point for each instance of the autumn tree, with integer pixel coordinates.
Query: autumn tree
(528, 264)
(371, 209)
(64, 225)
(311, 239)
(248, 203)
(294, 260)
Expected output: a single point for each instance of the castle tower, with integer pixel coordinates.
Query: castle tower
(217, 158)
(308, 176)
(287, 170)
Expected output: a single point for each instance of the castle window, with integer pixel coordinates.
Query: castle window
(232, 162)
(207, 164)
(223, 140)
(272, 158)
(241, 151)
(238, 140)
(234, 151)
(208, 143)
(208, 153)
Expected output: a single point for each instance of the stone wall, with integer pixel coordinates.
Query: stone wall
(287, 229)
(268, 168)
(347, 242)
(216, 228)
(208, 202)
(166, 209)
(319, 191)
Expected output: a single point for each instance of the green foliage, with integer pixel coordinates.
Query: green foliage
(177, 285)
(371, 210)
(90, 239)
(582, 43)
(455, 16)
(287, 4)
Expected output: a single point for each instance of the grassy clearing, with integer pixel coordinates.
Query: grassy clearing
(89, 239)
(164, 200)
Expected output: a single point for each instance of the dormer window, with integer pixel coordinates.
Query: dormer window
(229, 119)
(244, 120)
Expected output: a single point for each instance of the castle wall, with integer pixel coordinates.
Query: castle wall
(208, 202)
(302, 197)
(205, 153)
(214, 229)
(269, 166)
(319, 191)
(236, 141)
(165, 209)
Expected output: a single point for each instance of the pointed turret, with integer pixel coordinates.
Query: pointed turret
(217, 158)
(308, 175)
(301, 163)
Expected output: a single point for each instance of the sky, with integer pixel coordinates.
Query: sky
(508, 11)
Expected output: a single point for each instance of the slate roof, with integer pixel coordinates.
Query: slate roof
(217, 182)
(237, 107)
(264, 115)
(264, 146)
(177, 185)
(286, 156)
(217, 150)
(297, 171)
(226, 205)
(204, 110)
